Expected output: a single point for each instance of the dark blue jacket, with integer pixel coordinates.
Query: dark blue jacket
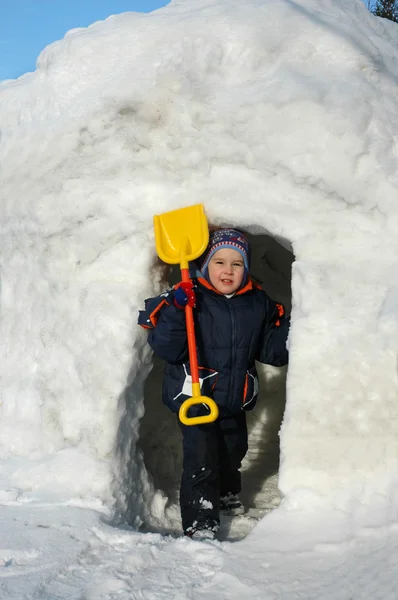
(231, 333)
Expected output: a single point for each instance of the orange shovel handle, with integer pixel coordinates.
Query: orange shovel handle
(197, 398)
(193, 357)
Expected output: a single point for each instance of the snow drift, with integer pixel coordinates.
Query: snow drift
(280, 116)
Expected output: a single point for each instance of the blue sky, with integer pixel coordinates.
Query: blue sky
(28, 26)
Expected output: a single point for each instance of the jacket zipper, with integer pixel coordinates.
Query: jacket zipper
(233, 351)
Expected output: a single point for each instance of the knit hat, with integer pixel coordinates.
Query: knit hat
(226, 238)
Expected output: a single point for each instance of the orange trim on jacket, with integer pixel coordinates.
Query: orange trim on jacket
(245, 387)
(154, 314)
(249, 286)
(281, 313)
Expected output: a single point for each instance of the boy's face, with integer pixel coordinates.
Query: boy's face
(226, 270)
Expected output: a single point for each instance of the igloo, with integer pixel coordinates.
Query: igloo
(280, 117)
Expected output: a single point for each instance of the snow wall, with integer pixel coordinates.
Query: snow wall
(280, 117)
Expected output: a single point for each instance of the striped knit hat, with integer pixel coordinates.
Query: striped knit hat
(226, 238)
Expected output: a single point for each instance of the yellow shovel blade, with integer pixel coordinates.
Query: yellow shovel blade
(181, 235)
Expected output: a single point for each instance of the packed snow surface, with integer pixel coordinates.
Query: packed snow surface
(280, 117)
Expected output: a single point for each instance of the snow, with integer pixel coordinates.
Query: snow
(280, 117)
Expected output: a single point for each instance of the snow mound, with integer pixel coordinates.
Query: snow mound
(281, 118)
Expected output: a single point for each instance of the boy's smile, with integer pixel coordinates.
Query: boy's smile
(226, 270)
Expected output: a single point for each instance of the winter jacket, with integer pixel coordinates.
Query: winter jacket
(231, 333)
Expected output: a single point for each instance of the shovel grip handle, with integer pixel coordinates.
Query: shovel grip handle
(184, 408)
(193, 357)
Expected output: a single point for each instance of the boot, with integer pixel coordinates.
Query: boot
(230, 505)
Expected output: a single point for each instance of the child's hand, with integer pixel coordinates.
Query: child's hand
(184, 294)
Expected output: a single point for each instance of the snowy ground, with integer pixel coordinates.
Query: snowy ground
(51, 553)
(280, 117)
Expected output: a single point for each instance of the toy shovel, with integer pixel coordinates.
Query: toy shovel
(181, 236)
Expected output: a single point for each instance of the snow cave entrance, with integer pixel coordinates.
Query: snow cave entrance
(159, 435)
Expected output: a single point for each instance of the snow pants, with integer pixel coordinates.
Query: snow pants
(212, 456)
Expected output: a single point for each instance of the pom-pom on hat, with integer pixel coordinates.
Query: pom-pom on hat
(226, 238)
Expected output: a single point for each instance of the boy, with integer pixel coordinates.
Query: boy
(236, 323)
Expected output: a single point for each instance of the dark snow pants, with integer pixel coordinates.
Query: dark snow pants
(212, 456)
